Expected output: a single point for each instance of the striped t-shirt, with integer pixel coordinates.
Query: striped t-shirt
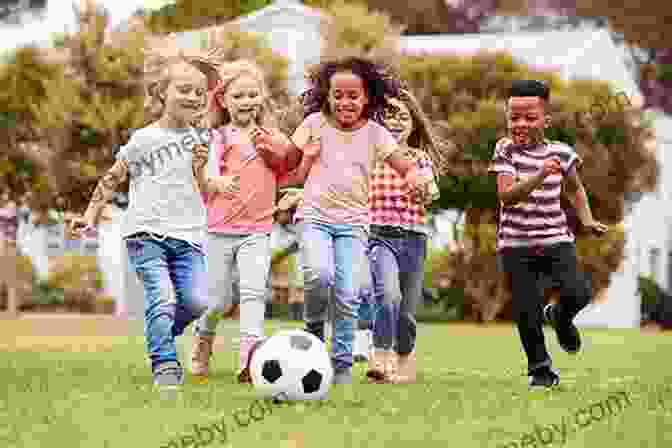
(539, 220)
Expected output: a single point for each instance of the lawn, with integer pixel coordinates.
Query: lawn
(69, 384)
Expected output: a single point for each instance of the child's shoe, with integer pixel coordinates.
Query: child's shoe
(168, 376)
(200, 355)
(568, 335)
(248, 345)
(543, 376)
(362, 345)
(342, 376)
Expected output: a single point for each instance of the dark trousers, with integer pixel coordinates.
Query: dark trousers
(525, 266)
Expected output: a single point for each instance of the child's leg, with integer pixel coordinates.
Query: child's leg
(361, 344)
(219, 286)
(150, 259)
(350, 269)
(188, 272)
(219, 290)
(575, 294)
(527, 301)
(411, 279)
(387, 295)
(253, 258)
(316, 252)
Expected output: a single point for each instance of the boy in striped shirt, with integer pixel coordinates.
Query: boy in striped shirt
(533, 237)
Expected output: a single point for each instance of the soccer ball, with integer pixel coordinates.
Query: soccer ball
(291, 365)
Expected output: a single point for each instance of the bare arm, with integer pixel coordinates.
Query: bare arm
(511, 192)
(209, 185)
(104, 191)
(300, 174)
(577, 196)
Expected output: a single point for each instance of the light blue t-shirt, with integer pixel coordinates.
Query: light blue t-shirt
(163, 195)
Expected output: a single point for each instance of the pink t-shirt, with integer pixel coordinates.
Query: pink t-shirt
(251, 209)
(337, 187)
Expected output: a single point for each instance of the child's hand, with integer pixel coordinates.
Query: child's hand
(597, 228)
(82, 227)
(267, 138)
(227, 185)
(551, 166)
(313, 149)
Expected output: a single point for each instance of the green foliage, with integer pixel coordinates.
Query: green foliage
(185, 15)
(23, 78)
(648, 292)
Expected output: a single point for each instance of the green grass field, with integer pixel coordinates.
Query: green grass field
(80, 390)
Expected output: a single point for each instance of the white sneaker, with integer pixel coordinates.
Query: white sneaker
(361, 346)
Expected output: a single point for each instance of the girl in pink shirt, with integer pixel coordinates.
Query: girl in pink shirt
(342, 144)
(239, 224)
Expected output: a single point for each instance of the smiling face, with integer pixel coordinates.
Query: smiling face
(398, 120)
(525, 119)
(185, 94)
(243, 99)
(347, 99)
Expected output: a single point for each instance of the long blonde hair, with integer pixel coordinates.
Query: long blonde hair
(218, 116)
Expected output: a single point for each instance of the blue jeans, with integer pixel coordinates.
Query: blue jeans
(397, 265)
(367, 310)
(173, 273)
(340, 248)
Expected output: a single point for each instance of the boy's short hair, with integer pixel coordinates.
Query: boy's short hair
(530, 87)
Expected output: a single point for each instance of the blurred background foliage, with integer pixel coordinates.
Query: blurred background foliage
(69, 107)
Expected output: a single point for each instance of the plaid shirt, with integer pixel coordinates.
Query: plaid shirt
(391, 205)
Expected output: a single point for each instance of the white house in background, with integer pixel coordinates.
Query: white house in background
(289, 27)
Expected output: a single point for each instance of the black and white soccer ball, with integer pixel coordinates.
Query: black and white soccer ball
(291, 365)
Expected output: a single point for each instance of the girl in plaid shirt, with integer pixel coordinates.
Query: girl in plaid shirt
(398, 241)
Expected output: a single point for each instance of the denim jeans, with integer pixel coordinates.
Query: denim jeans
(525, 266)
(367, 310)
(248, 256)
(398, 270)
(338, 252)
(174, 275)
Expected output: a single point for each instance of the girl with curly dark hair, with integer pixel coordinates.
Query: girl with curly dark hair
(341, 143)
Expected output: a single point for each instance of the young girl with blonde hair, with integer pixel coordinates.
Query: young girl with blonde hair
(165, 221)
(240, 224)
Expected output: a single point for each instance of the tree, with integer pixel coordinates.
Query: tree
(184, 15)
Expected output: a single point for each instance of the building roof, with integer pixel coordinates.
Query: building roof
(586, 54)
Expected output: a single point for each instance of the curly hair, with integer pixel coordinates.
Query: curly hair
(380, 81)
(423, 136)
(229, 72)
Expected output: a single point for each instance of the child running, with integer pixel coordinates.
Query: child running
(339, 108)
(239, 225)
(533, 237)
(398, 242)
(165, 221)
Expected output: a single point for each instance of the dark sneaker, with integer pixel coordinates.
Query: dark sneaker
(543, 377)
(342, 376)
(568, 335)
(168, 376)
